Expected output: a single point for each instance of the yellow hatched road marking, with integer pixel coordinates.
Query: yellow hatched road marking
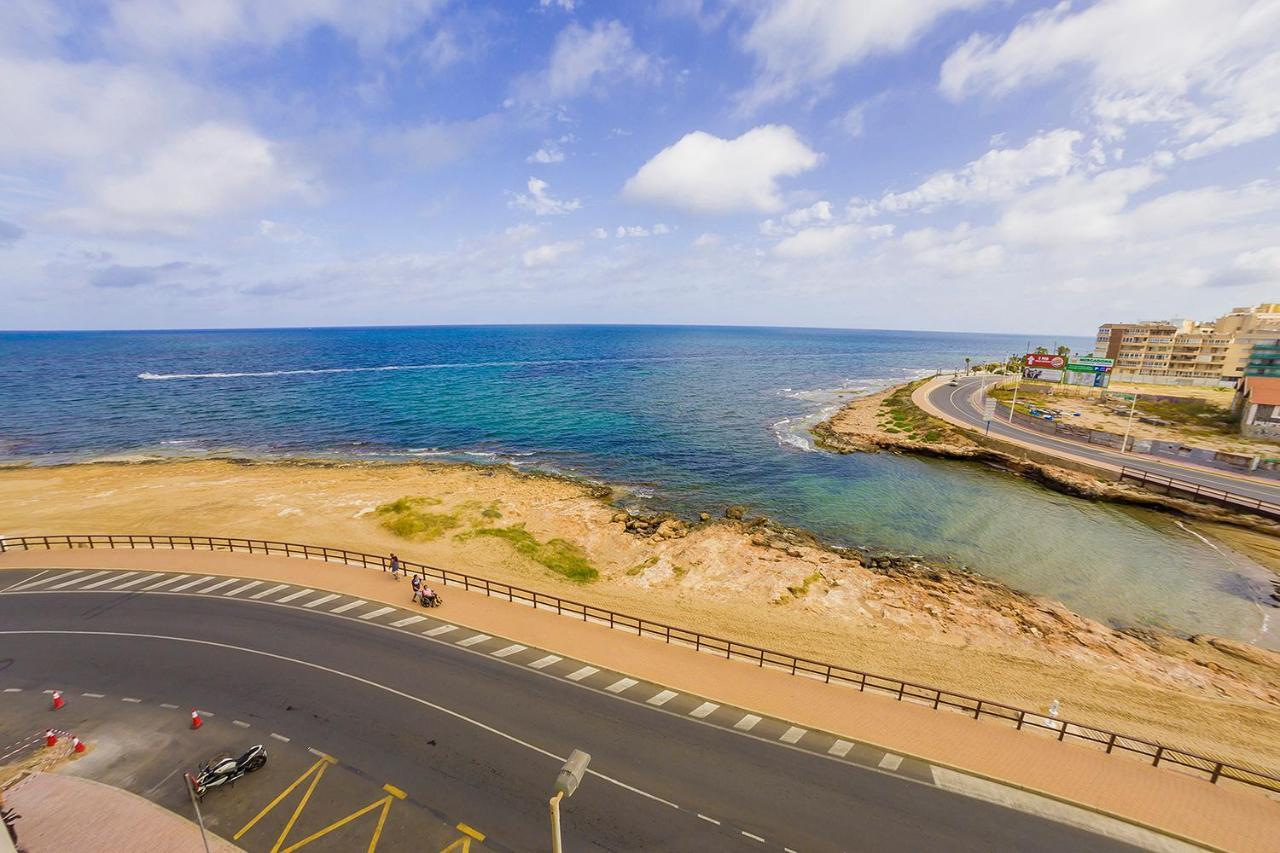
(473, 832)
(394, 791)
(286, 792)
(462, 845)
(385, 803)
(302, 804)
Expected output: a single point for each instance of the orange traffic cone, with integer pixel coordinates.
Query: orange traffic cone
(196, 722)
(50, 739)
(58, 701)
(77, 745)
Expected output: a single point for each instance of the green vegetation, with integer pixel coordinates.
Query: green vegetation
(1191, 411)
(408, 519)
(679, 571)
(801, 589)
(900, 415)
(559, 555)
(639, 568)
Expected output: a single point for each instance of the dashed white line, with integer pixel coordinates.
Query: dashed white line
(840, 748)
(131, 699)
(408, 620)
(374, 614)
(708, 819)
(242, 588)
(544, 662)
(621, 684)
(218, 586)
(474, 640)
(271, 591)
(509, 650)
(579, 674)
(94, 695)
(663, 698)
(105, 581)
(167, 705)
(136, 581)
(65, 584)
(241, 723)
(751, 836)
(321, 600)
(441, 629)
(294, 595)
(747, 723)
(703, 710)
(280, 737)
(190, 584)
(165, 582)
(350, 605)
(891, 761)
(793, 734)
(13, 690)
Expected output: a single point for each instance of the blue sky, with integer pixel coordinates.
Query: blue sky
(938, 164)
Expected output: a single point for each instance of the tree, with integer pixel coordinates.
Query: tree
(966, 365)
(1064, 350)
(1041, 351)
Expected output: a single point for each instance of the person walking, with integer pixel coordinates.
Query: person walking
(395, 567)
(417, 586)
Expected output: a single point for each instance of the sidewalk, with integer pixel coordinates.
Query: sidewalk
(1227, 817)
(70, 813)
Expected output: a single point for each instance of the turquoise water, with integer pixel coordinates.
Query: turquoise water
(688, 419)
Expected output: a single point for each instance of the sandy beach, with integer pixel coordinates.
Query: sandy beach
(743, 578)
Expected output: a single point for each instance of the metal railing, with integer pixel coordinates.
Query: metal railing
(1198, 493)
(1213, 769)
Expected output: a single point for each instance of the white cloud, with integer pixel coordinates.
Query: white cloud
(283, 232)
(1258, 267)
(819, 211)
(1210, 70)
(827, 240)
(583, 60)
(547, 154)
(540, 202)
(706, 240)
(1076, 209)
(801, 43)
(707, 174)
(549, 253)
(632, 231)
(600, 234)
(563, 5)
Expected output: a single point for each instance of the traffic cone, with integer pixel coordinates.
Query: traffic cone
(77, 745)
(50, 739)
(196, 722)
(58, 701)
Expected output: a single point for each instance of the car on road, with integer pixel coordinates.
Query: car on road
(954, 383)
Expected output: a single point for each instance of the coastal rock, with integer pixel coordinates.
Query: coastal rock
(671, 528)
(736, 512)
(704, 516)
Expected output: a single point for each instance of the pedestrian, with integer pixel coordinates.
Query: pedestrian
(395, 567)
(417, 586)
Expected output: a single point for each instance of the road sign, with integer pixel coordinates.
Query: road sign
(1085, 362)
(1045, 361)
(989, 409)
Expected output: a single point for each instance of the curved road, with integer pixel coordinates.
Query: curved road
(477, 738)
(960, 403)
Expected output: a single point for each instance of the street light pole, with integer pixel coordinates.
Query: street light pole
(566, 783)
(1016, 385)
(555, 823)
(1124, 443)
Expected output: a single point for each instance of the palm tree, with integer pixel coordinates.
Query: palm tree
(966, 365)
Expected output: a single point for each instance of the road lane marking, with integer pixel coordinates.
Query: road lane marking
(65, 584)
(747, 723)
(240, 589)
(621, 684)
(95, 695)
(241, 723)
(218, 586)
(891, 761)
(408, 620)
(350, 605)
(840, 748)
(474, 640)
(13, 690)
(165, 582)
(292, 596)
(509, 650)
(579, 674)
(321, 600)
(167, 705)
(793, 734)
(467, 830)
(751, 836)
(28, 583)
(280, 737)
(271, 591)
(318, 769)
(143, 579)
(703, 710)
(374, 614)
(663, 698)
(544, 662)
(318, 754)
(22, 581)
(105, 581)
(131, 699)
(442, 629)
(708, 819)
(189, 584)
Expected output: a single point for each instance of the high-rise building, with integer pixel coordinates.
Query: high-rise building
(1184, 352)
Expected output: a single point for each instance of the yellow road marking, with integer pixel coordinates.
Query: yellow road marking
(302, 804)
(473, 832)
(385, 803)
(286, 792)
(462, 845)
(394, 791)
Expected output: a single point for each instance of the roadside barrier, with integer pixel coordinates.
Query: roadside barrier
(1198, 493)
(1212, 769)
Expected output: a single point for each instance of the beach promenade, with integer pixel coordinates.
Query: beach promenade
(1036, 773)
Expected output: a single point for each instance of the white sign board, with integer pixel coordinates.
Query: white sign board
(989, 409)
(1041, 374)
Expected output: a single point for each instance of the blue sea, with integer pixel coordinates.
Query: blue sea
(681, 418)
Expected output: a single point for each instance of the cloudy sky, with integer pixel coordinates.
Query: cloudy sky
(1000, 165)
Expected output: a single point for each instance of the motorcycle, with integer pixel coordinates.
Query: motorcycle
(224, 769)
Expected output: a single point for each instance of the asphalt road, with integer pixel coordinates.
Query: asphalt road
(479, 751)
(960, 403)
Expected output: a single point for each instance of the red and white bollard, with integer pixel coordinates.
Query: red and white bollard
(196, 722)
(58, 701)
(77, 745)
(50, 739)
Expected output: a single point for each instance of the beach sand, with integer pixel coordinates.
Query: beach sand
(738, 578)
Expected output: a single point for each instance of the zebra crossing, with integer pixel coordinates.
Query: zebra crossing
(338, 605)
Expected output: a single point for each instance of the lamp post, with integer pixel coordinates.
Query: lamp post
(566, 783)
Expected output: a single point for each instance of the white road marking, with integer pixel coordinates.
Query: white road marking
(189, 584)
(31, 582)
(374, 614)
(65, 584)
(663, 698)
(294, 595)
(359, 680)
(752, 837)
(543, 663)
(621, 684)
(13, 690)
(271, 591)
(703, 710)
(135, 581)
(165, 582)
(241, 723)
(708, 819)
(408, 620)
(793, 734)
(441, 629)
(891, 761)
(321, 600)
(280, 737)
(350, 605)
(106, 581)
(509, 650)
(747, 723)
(474, 640)
(95, 695)
(131, 699)
(167, 705)
(579, 674)
(218, 586)
(242, 588)
(840, 748)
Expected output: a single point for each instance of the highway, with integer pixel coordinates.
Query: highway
(473, 738)
(960, 403)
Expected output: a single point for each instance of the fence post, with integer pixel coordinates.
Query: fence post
(1217, 771)
(977, 710)
(1111, 742)
(1022, 716)
(1159, 752)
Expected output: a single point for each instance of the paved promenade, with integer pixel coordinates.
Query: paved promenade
(1224, 816)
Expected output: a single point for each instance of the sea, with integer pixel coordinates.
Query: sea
(681, 419)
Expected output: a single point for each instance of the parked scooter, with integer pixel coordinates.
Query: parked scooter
(224, 769)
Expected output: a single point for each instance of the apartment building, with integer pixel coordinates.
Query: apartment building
(1184, 352)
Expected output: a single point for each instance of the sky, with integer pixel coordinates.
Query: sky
(967, 165)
